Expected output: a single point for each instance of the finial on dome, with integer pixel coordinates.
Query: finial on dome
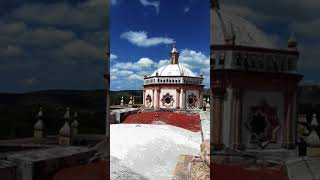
(174, 54)
(65, 130)
(313, 139)
(302, 118)
(292, 42)
(38, 130)
(130, 103)
(75, 115)
(314, 121)
(121, 101)
(67, 113)
(64, 134)
(40, 113)
(174, 50)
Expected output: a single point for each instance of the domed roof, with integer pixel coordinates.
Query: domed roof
(174, 70)
(225, 25)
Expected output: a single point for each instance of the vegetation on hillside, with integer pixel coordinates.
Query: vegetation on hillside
(18, 111)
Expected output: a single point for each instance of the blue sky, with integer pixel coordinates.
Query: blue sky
(142, 33)
(60, 44)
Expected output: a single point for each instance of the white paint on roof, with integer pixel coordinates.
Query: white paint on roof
(152, 150)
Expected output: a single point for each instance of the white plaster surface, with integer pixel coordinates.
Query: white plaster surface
(151, 150)
(174, 70)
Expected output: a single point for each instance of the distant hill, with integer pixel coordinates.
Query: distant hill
(17, 111)
(115, 96)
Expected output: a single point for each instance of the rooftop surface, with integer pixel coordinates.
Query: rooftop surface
(186, 121)
(150, 150)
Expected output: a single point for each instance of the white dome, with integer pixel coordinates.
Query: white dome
(225, 25)
(174, 70)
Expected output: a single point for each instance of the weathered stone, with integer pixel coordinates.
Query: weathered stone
(199, 170)
(191, 168)
(205, 151)
(181, 170)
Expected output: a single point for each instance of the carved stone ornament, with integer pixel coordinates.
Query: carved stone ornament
(263, 124)
(192, 101)
(148, 100)
(167, 100)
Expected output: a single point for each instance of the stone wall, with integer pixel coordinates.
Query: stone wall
(119, 115)
(43, 164)
(194, 167)
(8, 170)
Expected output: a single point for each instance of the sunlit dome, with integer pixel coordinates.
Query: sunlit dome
(225, 25)
(173, 70)
(173, 86)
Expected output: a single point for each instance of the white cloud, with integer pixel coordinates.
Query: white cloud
(309, 29)
(55, 35)
(194, 59)
(140, 38)
(28, 81)
(142, 63)
(88, 14)
(114, 2)
(186, 9)
(130, 74)
(155, 4)
(12, 28)
(47, 36)
(80, 49)
(120, 72)
(145, 62)
(11, 51)
(113, 57)
(135, 77)
(162, 63)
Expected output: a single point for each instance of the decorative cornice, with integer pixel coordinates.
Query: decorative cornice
(254, 49)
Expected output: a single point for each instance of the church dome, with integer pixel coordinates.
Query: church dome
(227, 26)
(174, 70)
